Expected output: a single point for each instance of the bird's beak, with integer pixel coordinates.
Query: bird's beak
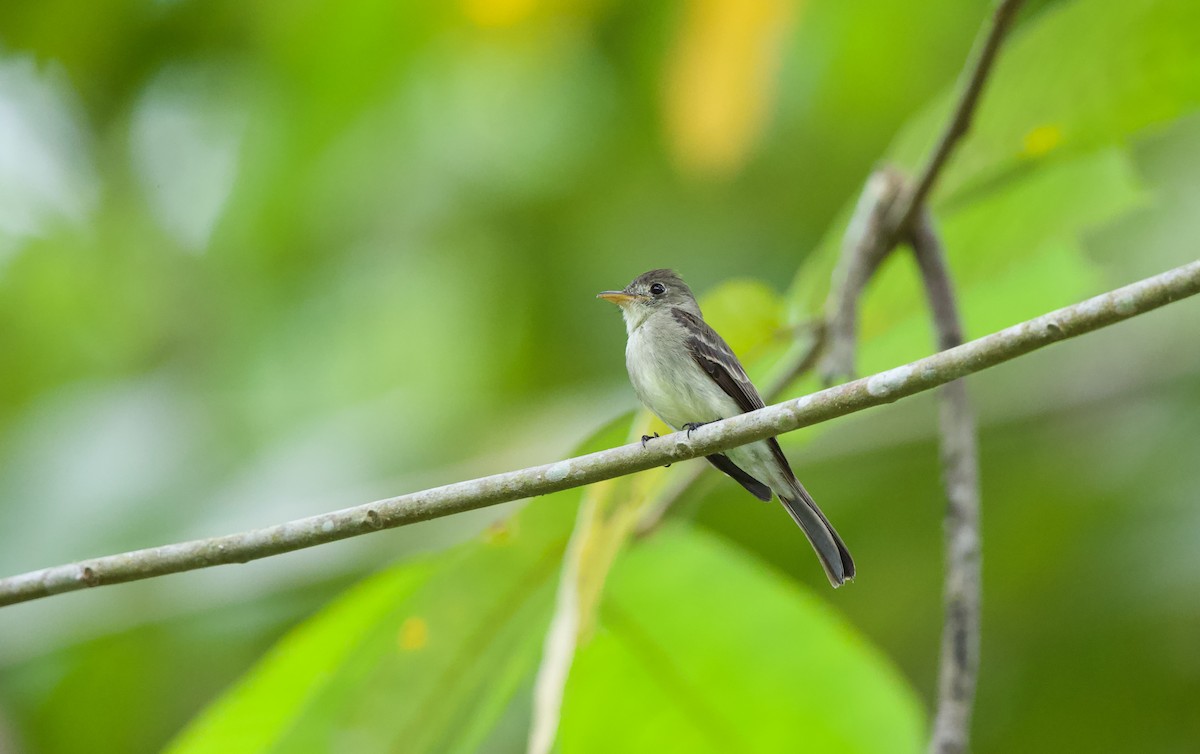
(620, 298)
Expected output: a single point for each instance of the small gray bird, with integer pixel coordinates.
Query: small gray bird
(686, 374)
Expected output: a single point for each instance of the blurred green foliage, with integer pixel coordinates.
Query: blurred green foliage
(262, 261)
(409, 660)
(730, 657)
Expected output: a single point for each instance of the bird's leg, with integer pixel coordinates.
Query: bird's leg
(693, 425)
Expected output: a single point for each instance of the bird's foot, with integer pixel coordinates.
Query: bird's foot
(693, 425)
(648, 438)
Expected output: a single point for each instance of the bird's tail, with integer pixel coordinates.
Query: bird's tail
(834, 556)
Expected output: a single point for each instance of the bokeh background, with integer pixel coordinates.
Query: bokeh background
(260, 261)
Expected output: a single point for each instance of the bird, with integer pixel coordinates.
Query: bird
(687, 375)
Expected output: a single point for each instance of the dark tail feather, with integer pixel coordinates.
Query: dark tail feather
(834, 556)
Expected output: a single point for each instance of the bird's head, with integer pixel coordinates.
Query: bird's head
(656, 290)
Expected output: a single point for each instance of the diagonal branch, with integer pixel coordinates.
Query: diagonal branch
(865, 245)
(983, 56)
(886, 387)
(889, 205)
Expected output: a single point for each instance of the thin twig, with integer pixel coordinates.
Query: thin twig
(973, 80)
(959, 662)
(887, 213)
(654, 517)
(886, 209)
(608, 514)
(886, 387)
(864, 247)
(802, 363)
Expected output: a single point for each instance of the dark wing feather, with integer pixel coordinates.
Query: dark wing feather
(752, 485)
(777, 451)
(716, 358)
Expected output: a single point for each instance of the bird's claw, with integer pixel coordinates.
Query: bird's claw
(693, 425)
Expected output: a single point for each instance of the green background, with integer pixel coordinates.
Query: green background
(260, 261)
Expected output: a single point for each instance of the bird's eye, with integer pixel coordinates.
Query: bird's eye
(658, 289)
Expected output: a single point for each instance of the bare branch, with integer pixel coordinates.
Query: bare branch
(886, 387)
(866, 243)
(974, 78)
(939, 290)
(887, 212)
(959, 662)
(655, 516)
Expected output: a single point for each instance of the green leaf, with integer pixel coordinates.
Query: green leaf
(701, 648)
(1078, 77)
(426, 656)
(747, 313)
(1076, 83)
(1014, 254)
(750, 316)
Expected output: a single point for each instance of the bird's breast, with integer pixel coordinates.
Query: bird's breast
(669, 381)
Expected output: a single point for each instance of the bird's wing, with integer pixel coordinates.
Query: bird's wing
(752, 485)
(716, 358)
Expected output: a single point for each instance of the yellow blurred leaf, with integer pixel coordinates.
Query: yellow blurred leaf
(1041, 140)
(721, 80)
(493, 13)
(607, 519)
(414, 634)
